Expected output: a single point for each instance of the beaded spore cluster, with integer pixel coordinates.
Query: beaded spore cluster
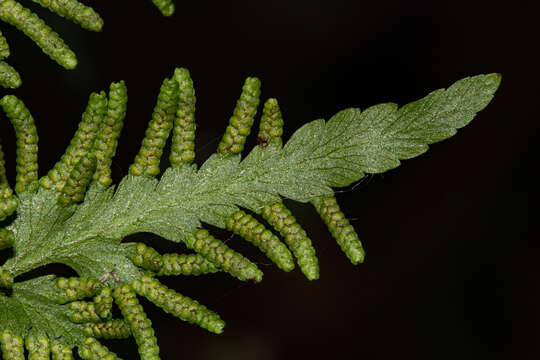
(24, 19)
(74, 215)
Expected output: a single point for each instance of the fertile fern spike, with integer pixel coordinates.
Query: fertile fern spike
(340, 228)
(4, 47)
(81, 144)
(61, 352)
(73, 10)
(139, 324)
(25, 20)
(178, 305)
(6, 279)
(109, 132)
(171, 264)
(103, 302)
(72, 289)
(277, 214)
(271, 126)
(186, 264)
(83, 312)
(6, 239)
(87, 236)
(27, 143)
(93, 350)
(38, 348)
(8, 202)
(165, 6)
(183, 139)
(112, 329)
(223, 256)
(78, 180)
(9, 77)
(249, 228)
(240, 123)
(147, 160)
(12, 346)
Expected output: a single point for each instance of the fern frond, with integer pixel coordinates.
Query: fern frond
(87, 236)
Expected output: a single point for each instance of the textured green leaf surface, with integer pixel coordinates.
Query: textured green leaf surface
(30, 309)
(319, 156)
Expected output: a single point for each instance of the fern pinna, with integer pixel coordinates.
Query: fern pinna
(24, 19)
(73, 215)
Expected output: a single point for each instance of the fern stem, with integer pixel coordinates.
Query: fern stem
(250, 229)
(223, 256)
(240, 123)
(9, 77)
(112, 329)
(81, 143)
(109, 132)
(340, 228)
(61, 352)
(12, 346)
(294, 236)
(165, 6)
(25, 20)
(8, 202)
(38, 348)
(139, 324)
(183, 139)
(147, 160)
(93, 350)
(73, 10)
(178, 305)
(27, 143)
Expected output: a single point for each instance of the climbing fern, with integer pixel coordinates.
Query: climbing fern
(75, 217)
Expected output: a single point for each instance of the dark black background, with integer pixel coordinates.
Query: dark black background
(452, 247)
